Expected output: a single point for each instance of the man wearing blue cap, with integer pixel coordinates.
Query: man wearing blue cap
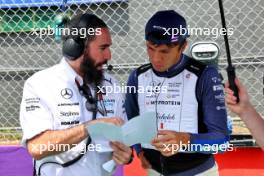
(191, 114)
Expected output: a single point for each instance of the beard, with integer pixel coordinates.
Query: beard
(90, 71)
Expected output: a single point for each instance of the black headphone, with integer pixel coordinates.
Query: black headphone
(73, 47)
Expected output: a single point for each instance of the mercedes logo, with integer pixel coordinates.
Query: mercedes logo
(66, 93)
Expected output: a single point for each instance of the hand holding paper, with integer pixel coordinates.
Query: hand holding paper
(121, 153)
(141, 129)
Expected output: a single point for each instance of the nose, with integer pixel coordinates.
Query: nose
(107, 54)
(156, 58)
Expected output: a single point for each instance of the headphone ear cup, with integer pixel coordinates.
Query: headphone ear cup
(72, 48)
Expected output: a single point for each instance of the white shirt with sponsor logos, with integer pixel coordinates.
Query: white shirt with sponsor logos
(52, 101)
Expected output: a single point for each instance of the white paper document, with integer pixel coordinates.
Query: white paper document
(141, 129)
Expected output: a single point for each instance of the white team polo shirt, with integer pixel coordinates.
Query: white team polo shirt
(51, 101)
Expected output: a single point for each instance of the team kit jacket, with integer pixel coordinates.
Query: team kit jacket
(188, 97)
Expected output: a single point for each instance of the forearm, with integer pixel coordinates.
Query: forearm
(255, 124)
(39, 145)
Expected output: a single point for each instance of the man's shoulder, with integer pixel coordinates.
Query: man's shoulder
(44, 76)
(195, 66)
(143, 69)
(110, 79)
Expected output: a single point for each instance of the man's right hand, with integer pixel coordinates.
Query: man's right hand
(112, 120)
(144, 162)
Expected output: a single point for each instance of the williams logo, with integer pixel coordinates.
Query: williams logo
(66, 93)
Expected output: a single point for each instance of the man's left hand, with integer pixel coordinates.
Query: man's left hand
(122, 153)
(169, 142)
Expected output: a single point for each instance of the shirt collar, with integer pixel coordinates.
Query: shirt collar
(70, 71)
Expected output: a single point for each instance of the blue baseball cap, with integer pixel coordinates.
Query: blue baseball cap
(166, 27)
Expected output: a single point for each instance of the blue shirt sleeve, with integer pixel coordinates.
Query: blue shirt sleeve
(131, 102)
(210, 94)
